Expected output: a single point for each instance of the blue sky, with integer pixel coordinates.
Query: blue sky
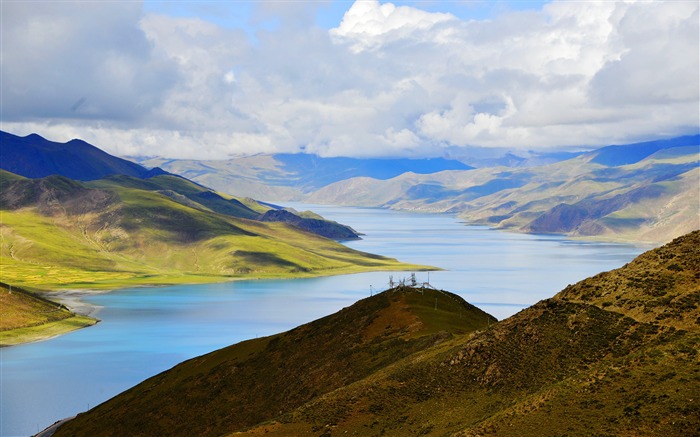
(328, 14)
(368, 78)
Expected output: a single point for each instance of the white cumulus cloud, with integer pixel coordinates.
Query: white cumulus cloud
(388, 80)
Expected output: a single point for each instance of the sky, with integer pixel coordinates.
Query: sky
(212, 80)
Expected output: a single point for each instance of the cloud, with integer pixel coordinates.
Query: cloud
(388, 80)
(369, 24)
(83, 60)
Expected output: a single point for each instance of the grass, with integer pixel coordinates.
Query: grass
(25, 317)
(147, 238)
(44, 331)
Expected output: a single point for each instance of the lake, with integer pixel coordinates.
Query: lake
(145, 331)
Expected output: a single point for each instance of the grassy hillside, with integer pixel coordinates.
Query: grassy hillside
(177, 187)
(259, 379)
(59, 233)
(25, 316)
(616, 354)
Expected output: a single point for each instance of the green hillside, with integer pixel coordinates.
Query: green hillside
(24, 317)
(616, 354)
(196, 195)
(60, 233)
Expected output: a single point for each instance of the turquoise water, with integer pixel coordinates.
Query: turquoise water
(145, 331)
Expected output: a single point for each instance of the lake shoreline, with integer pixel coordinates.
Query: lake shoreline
(72, 298)
(146, 330)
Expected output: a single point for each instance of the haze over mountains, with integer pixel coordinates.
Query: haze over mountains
(645, 192)
(637, 192)
(281, 177)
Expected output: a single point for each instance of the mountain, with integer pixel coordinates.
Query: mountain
(36, 157)
(615, 156)
(646, 192)
(290, 176)
(643, 192)
(316, 224)
(615, 354)
(119, 231)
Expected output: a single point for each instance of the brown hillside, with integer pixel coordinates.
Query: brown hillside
(660, 286)
(257, 380)
(557, 368)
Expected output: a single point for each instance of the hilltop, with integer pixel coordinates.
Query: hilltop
(33, 156)
(257, 380)
(616, 354)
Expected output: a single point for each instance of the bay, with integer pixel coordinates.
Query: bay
(145, 331)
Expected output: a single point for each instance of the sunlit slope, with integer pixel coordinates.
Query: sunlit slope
(27, 317)
(62, 233)
(652, 200)
(187, 192)
(258, 380)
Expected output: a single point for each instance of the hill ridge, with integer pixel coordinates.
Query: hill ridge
(279, 373)
(35, 157)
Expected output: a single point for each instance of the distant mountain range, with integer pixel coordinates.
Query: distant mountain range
(615, 354)
(641, 192)
(281, 177)
(644, 192)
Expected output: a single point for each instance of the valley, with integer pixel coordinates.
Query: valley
(146, 330)
(158, 228)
